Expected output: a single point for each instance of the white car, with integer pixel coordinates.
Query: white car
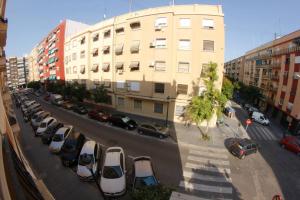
(88, 160)
(59, 138)
(44, 125)
(113, 178)
(35, 116)
(260, 118)
(37, 122)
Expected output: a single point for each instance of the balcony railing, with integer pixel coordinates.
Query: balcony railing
(275, 77)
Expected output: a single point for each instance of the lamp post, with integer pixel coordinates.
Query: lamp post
(167, 115)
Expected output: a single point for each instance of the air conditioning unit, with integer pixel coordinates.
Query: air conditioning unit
(152, 64)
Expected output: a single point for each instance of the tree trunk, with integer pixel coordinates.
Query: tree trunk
(207, 126)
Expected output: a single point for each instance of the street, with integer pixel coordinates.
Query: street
(202, 171)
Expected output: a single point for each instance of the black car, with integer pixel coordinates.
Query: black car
(122, 121)
(71, 150)
(153, 130)
(80, 109)
(242, 147)
(47, 136)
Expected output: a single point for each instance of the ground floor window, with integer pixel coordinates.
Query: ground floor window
(121, 101)
(137, 104)
(179, 110)
(158, 107)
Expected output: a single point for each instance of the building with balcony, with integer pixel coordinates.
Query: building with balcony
(234, 69)
(151, 61)
(17, 72)
(48, 55)
(274, 68)
(33, 69)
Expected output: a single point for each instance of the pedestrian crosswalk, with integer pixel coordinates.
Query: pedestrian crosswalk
(205, 176)
(259, 132)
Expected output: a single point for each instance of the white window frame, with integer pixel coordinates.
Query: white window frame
(135, 86)
(120, 84)
(297, 59)
(182, 70)
(158, 67)
(184, 44)
(208, 23)
(160, 43)
(161, 22)
(185, 22)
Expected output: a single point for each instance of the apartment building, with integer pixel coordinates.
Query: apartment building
(234, 69)
(17, 72)
(151, 61)
(49, 53)
(33, 69)
(274, 68)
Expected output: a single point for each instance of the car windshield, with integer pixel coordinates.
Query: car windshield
(125, 119)
(85, 159)
(58, 137)
(145, 181)
(39, 119)
(43, 125)
(35, 116)
(69, 147)
(112, 172)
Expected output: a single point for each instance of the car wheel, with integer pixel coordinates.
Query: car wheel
(243, 156)
(283, 146)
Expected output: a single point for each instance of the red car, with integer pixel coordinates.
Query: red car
(98, 115)
(291, 143)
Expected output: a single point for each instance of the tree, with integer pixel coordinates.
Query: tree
(152, 193)
(100, 94)
(79, 91)
(211, 101)
(227, 88)
(34, 84)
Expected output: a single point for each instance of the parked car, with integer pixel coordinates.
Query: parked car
(260, 118)
(71, 149)
(56, 99)
(88, 160)
(242, 147)
(251, 110)
(153, 130)
(37, 93)
(46, 123)
(68, 105)
(98, 115)
(122, 121)
(31, 111)
(80, 109)
(37, 122)
(291, 143)
(47, 136)
(113, 175)
(36, 115)
(59, 138)
(26, 105)
(47, 97)
(143, 173)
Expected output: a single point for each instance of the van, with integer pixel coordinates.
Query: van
(56, 99)
(260, 118)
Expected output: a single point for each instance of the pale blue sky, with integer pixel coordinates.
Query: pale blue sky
(249, 23)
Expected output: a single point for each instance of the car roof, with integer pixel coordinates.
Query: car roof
(245, 141)
(47, 119)
(112, 159)
(62, 130)
(88, 147)
(143, 168)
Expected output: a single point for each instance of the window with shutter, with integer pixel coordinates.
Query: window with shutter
(208, 45)
(182, 89)
(183, 67)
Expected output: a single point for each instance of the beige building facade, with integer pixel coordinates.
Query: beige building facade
(234, 69)
(151, 61)
(274, 68)
(33, 74)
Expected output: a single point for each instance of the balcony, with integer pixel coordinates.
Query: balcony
(266, 76)
(2, 64)
(256, 75)
(3, 32)
(275, 78)
(276, 65)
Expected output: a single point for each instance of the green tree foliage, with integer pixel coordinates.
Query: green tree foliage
(227, 88)
(99, 95)
(34, 84)
(152, 193)
(79, 91)
(211, 101)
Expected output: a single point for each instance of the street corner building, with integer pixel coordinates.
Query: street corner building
(151, 61)
(274, 68)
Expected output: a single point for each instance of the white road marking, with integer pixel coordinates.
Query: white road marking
(181, 196)
(267, 134)
(208, 154)
(205, 188)
(208, 168)
(195, 147)
(193, 175)
(270, 133)
(132, 157)
(208, 160)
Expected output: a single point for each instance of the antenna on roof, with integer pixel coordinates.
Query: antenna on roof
(130, 5)
(104, 15)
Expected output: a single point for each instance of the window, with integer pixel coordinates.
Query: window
(161, 22)
(184, 44)
(160, 66)
(119, 66)
(74, 56)
(74, 44)
(182, 89)
(96, 37)
(135, 47)
(208, 23)
(120, 84)
(75, 70)
(158, 107)
(106, 34)
(160, 43)
(119, 30)
(82, 69)
(82, 54)
(135, 25)
(121, 101)
(95, 67)
(95, 52)
(137, 104)
(82, 41)
(106, 50)
(107, 83)
(134, 66)
(159, 88)
(135, 86)
(105, 67)
(183, 67)
(208, 45)
(119, 49)
(185, 23)
(179, 110)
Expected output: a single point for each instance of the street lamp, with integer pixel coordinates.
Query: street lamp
(167, 115)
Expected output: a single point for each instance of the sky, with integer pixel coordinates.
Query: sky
(248, 23)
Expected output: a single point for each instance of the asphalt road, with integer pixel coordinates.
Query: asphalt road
(64, 183)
